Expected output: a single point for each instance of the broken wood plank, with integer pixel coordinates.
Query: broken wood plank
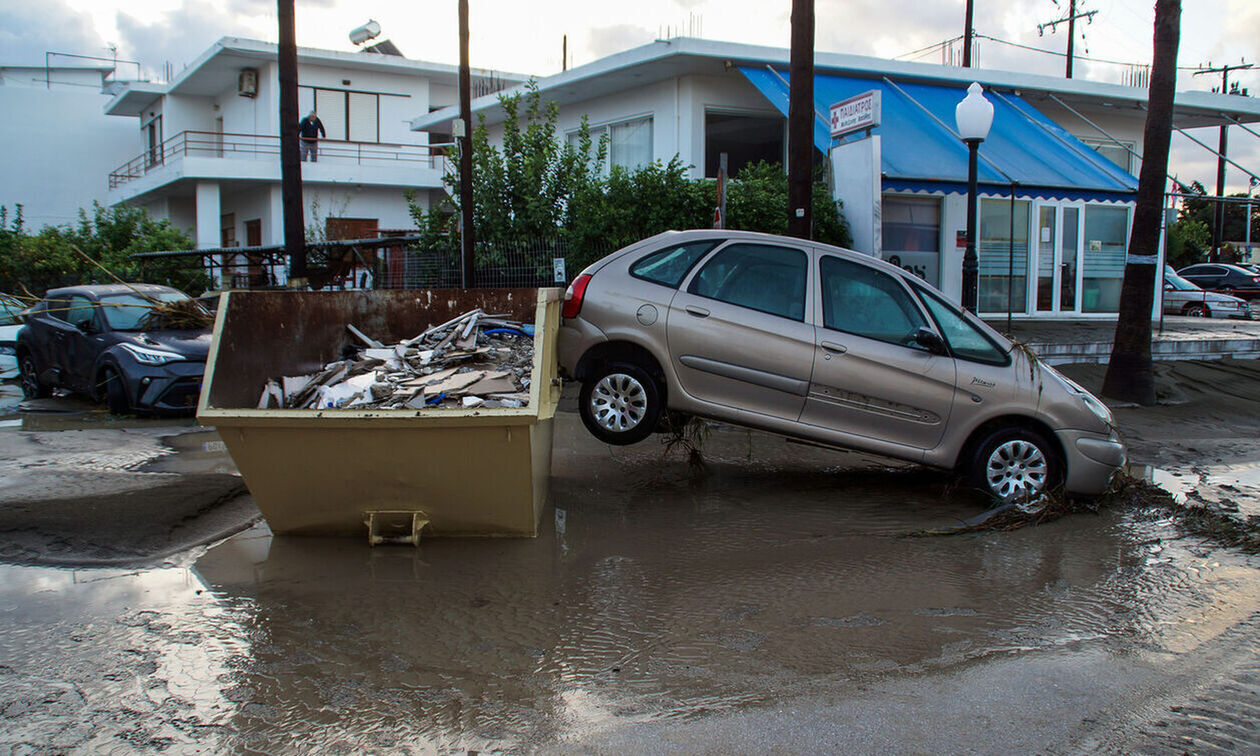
(364, 337)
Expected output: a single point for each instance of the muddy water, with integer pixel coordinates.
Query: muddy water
(658, 593)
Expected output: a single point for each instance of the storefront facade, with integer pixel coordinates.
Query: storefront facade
(1057, 173)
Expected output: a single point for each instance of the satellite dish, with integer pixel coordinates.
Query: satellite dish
(369, 31)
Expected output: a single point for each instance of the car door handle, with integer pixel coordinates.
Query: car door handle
(699, 312)
(832, 346)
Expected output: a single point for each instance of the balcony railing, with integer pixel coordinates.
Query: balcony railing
(212, 144)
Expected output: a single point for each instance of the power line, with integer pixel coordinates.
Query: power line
(1031, 48)
(929, 48)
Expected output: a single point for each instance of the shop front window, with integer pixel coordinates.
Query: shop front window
(911, 228)
(1003, 251)
(1106, 236)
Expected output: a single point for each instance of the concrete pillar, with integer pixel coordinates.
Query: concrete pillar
(209, 219)
(208, 214)
(273, 219)
(273, 229)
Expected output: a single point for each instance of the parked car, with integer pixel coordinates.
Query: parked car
(1184, 298)
(10, 323)
(1223, 277)
(105, 341)
(826, 345)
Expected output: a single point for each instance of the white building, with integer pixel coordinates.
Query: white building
(1063, 150)
(205, 148)
(61, 147)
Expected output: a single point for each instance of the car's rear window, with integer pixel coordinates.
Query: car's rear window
(669, 266)
(129, 312)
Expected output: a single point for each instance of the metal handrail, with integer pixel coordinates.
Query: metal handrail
(253, 146)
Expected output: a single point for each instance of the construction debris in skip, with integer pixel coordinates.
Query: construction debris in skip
(475, 360)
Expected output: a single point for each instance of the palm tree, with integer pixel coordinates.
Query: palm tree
(1130, 376)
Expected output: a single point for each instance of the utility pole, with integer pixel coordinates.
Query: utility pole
(1070, 19)
(968, 32)
(290, 166)
(801, 121)
(468, 272)
(1218, 225)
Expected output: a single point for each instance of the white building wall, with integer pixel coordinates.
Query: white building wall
(677, 107)
(183, 113)
(241, 115)
(62, 147)
(385, 204)
(1126, 125)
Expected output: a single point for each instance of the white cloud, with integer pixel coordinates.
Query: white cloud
(29, 30)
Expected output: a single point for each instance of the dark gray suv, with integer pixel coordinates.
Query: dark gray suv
(105, 342)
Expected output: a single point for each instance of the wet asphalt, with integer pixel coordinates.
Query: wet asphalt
(778, 598)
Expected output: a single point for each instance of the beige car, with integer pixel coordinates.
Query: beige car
(826, 345)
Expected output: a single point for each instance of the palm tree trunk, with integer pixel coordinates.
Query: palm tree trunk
(1130, 376)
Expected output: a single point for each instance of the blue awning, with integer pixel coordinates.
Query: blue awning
(920, 152)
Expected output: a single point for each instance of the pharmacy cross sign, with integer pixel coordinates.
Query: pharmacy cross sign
(854, 114)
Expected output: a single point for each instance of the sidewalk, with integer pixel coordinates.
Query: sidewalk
(1182, 338)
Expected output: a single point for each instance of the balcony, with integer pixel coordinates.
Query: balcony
(260, 147)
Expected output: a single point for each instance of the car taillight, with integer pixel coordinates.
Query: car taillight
(573, 296)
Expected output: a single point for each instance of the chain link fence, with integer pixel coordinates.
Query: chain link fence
(498, 264)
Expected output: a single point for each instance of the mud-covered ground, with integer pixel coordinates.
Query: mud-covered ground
(772, 601)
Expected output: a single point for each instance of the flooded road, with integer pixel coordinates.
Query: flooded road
(775, 600)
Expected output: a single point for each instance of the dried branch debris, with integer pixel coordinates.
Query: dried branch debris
(475, 360)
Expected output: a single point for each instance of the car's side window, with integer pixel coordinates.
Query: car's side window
(79, 310)
(861, 300)
(670, 266)
(964, 340)
(757, 276)
(57, 308)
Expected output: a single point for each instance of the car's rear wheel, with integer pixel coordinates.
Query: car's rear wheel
(115, 392)
(1196, 310)
(620, 403)
(1017, 466)
(32, 388)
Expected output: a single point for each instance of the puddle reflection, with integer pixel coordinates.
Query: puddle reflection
(651, 597)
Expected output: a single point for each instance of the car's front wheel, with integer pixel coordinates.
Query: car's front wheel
(32, 388)
(620, 403)
(115, 392)
(1016, 466)
(1197, 310)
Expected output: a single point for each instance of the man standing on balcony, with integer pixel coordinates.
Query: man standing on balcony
(310, 129)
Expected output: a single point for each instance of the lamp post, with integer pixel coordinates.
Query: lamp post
(974, 117)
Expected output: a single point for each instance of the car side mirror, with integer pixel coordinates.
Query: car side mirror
(929, 340)
(87, 326)
(1167, 286)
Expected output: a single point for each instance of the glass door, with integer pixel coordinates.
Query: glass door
(1058, 252)
(1047, 265)
(1069, 253)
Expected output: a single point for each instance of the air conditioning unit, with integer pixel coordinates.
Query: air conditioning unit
(247, 83)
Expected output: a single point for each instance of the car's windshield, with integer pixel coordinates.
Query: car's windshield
(1179, 283)
(129, 312)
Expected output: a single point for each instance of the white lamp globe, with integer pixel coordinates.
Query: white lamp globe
(974, 115)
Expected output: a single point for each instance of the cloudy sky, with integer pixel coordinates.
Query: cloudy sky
(526, 37)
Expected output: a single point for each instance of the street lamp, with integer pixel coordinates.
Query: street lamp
(974, 117)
